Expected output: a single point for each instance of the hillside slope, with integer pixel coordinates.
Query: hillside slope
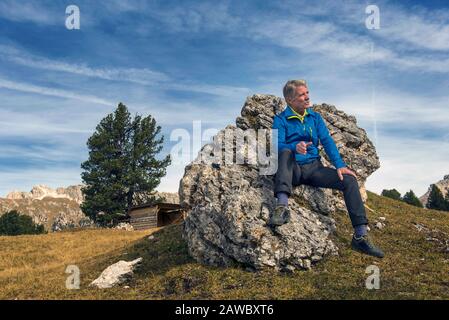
(416, 265)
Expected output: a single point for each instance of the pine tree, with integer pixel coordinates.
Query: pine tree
(412, 199)
(122, 164)
(393, 194)
(436, 200)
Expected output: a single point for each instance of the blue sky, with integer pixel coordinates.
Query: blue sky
(198, 60)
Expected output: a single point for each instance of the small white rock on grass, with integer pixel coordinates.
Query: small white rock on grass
(116, 274)
(379, 225)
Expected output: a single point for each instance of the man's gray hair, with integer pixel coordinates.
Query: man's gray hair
(290, 88)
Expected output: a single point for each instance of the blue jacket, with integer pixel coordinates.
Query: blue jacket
(291, 131)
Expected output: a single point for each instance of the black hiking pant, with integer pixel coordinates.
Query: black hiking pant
(290, 174)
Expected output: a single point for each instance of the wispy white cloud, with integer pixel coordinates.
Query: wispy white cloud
(30, 88)
(336, 43)
(396, 107)
(44, 124)
(343, 38)
(418, 27)
(142, 76)
(191, 17)
(136, 75)
(414, 26)
(26, 11)
(409, 164)
(52, 153)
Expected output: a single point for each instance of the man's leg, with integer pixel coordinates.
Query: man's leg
(324, 177)
(320, 176)
(287, 175)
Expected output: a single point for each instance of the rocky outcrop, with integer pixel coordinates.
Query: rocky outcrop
(442, 185)
(229, 204)
(40, 192)
(116, 274)
(169, 197)
(66, 220)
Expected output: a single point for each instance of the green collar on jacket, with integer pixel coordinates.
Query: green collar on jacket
(292, 114)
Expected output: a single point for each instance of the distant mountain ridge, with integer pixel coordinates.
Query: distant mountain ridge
(41, 191)
(56, 209)
(53, 213)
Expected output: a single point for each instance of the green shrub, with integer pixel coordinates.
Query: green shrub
(13, 223)
(393, 194)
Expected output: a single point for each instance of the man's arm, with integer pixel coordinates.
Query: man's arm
(280, 126)
(329, 144)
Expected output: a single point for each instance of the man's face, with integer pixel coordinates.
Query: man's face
(301, 100)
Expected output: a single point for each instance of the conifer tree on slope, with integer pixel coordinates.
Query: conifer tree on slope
(412, 199)
(436, 200)
(122, 164)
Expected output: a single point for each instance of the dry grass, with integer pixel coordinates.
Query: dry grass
(32, 267)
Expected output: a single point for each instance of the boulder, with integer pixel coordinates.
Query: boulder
(228, 204)
(124, 226)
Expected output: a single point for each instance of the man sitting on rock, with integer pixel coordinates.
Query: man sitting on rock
(300, 129)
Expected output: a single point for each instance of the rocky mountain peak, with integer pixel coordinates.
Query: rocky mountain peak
(443, 185)
(41, 191)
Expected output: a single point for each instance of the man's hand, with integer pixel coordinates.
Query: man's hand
(302, 147)
(345, 170)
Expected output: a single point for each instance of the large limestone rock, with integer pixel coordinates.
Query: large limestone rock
(443, 185)
(229, 204)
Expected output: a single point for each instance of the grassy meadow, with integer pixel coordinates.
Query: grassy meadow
(416, 265)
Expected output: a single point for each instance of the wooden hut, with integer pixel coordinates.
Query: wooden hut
(151, 216)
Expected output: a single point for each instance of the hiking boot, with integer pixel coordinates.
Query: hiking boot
(363, 245)
(280, 216)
